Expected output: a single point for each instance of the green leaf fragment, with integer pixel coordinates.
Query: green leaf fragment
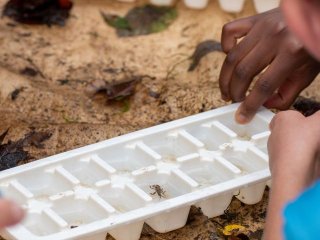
(121, 23)
(126, 106)
(164, 21)
(142, 20)
(115, 21)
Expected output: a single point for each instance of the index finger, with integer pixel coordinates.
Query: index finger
(268, 83)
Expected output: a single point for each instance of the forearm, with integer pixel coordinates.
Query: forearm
(288, 181)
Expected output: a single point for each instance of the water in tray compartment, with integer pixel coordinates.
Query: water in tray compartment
(126, 159)
(211, 135)
(77, 212)
(162, 186)
(123, 199)
(206, 173)
(40, 224)
(45, 183)
(86, 170)
(247, 162)
(171, 145)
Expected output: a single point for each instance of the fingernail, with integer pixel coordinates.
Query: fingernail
(242, 118)
(225, 98)
(16, 212)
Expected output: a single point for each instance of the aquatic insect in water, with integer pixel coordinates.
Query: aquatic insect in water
(158, 190)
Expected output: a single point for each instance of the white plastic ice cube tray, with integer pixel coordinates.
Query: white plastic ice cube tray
(226, 5)
(152, 176)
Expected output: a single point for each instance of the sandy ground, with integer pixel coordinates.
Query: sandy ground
(68, 59)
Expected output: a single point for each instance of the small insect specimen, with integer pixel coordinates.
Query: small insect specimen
(158, 190)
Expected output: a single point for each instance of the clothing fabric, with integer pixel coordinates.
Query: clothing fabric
(302, 216)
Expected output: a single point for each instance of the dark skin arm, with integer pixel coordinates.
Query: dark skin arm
(266, 44)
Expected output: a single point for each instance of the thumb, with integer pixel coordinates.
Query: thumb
(10, 213)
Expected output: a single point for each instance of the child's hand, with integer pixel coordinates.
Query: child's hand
(294, 144)
(10, 213)
(293, 148)
(266, 42)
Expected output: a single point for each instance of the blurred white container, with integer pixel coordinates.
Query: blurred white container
(265, 5)
(226, 5)
(162, 2)
(231, 5)
(196, 4)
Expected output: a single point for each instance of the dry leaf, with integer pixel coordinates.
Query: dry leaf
(114, 91)
(233, 229)
(12, 153)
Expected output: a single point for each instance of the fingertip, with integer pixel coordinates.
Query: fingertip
(11, 213)
(242, 117)
(227, 37)
(225, 97)
(17, 213)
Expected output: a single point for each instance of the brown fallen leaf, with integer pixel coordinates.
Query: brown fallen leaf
(121, 90)
(36, 139)
(28, 71)
(3, 135)
(12, 153)
(38, 11)
(16, 93)
(114, 91)
(202, 50)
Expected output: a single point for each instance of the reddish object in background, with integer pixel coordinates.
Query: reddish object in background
(50, 12)
(65, 3)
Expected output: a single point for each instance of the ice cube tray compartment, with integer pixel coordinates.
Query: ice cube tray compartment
(89, 170)
(125, 198)
(128, 158)
(75, 212)
(226, 5)
(40, 224)
(162, 186)
(172, 145)
(207, 173)
(151, 176)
